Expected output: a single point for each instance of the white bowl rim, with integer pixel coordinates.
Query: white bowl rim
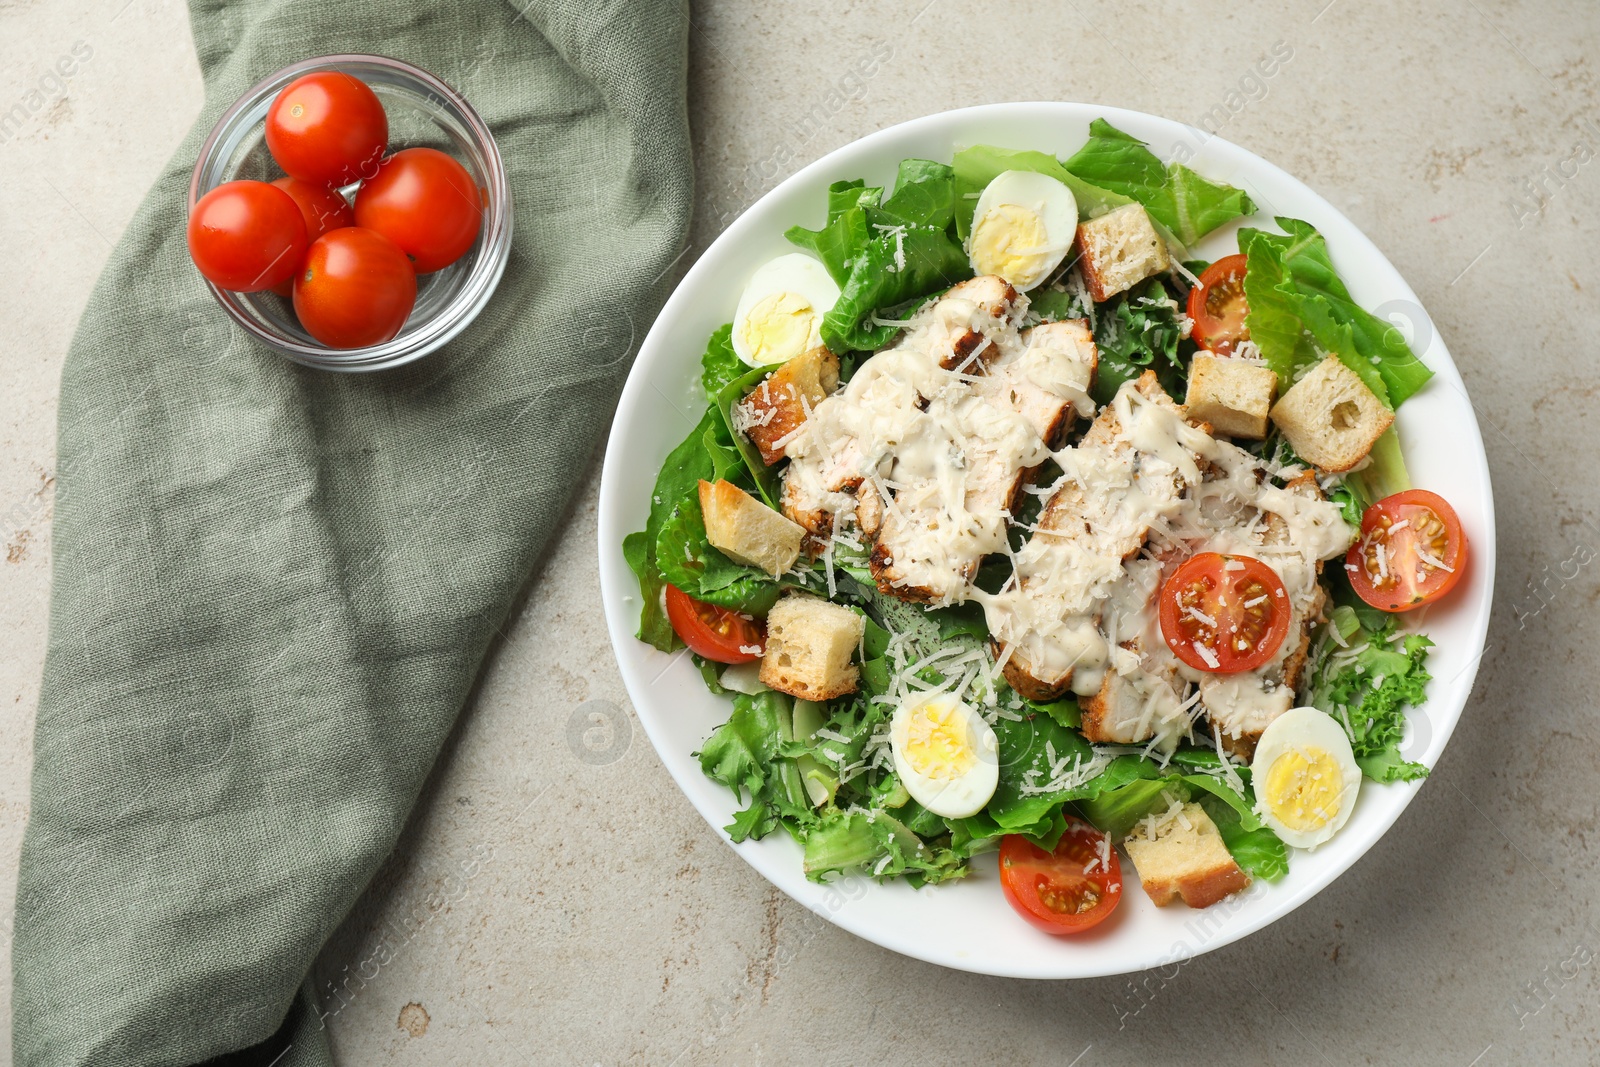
(1243, 914)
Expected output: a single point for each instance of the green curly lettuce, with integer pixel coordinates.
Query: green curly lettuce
(1365, 680)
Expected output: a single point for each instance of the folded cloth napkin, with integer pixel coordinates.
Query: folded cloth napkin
(274, 587)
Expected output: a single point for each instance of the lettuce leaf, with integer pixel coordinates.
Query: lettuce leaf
(679, 478)
(885, 254)
(720, 365)
(1137, 331)
(1373, 716)
(1255, 848)
(879, 286)
(1188, 205)
(844, 841)
(1025, 749)
(687, 559)
(743, 754)
(673, 546)
(846, 232)
(749, 471)
(639, 551)
(759, 755)
(1300, 308)
(1259, 852)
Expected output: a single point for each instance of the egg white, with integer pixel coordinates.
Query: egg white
(1306, 731)
(803, 281)
(1022, 228)
(960, 795)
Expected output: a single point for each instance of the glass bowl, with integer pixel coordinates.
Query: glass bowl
(423, 111)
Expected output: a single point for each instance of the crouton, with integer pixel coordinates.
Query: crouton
(746, 530)
(1233, 395)
(809, 645)
(776, 408)
(1330, 416)
(1119, 250)
(1183, 856)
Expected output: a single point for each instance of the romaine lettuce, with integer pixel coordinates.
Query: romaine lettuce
(1260, 853)
(1188, 205)
(1299, 309)
(885, 254)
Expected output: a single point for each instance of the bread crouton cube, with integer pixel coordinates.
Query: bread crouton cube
(776, 408)
(1233, 395)
(810, 642)
(1330, 416)
(746, 530)
(1182, 855)
(1119, 250)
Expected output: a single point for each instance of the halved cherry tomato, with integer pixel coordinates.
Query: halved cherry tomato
(327, 128)
(1217, 305)
(1224, 614)
(713, 632)
(356, 289)
(246, 236)
(1065, 891)
(1411, 551)
(426, 203)
(323, 209)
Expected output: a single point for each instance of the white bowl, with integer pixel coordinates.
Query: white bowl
(968, 924)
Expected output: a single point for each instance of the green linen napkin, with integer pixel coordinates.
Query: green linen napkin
(274, 587)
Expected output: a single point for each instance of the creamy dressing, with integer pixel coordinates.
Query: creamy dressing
(1079, 616)
(925, 446)
(1126, 476)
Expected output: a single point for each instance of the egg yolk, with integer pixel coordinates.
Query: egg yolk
(937, 743)
(1305, 789)
(778, 328)
(1010, 241)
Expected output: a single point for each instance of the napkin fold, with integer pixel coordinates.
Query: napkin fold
(274, 587)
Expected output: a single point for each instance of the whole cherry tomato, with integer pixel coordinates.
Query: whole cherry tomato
(246, 236)
(356, 289)
(327, 128)
(426, 203)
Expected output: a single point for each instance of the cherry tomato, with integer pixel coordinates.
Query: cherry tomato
(327, 128)
(246, 236)
(1411, 551)
(1065, 891)
(322, 208)
(1217, 306)
(712, 632)
(1224, 614)
(426, 203)
(356, 289)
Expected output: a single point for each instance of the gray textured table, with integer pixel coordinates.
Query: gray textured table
(562, 902)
